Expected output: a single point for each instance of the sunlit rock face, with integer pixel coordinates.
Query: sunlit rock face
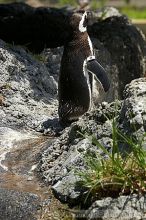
(28, 88)
(133, 113)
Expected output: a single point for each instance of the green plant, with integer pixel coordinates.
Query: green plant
(98, 4)
(132, 12)
(116, 174)
(67, 2)
(103, 2)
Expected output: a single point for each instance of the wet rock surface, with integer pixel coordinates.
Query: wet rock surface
(21, 194)
(28, 92)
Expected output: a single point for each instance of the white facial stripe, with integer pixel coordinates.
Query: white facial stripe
(81, 27)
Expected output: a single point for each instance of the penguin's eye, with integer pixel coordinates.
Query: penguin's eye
(85, 21)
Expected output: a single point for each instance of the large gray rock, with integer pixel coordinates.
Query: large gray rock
(63, 157)
(120, 48)
(133, 113)
(123, 208)
(28, 92)
(61, 161)
(132, 119)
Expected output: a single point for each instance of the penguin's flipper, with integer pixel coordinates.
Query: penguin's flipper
(95, 68)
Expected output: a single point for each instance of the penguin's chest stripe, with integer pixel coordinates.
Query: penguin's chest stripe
(85, 72)
(90, 46)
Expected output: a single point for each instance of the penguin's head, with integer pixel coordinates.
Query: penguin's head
(79, 21)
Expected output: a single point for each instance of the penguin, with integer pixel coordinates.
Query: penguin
(78, 70)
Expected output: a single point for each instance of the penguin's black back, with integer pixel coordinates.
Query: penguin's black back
(74, 94)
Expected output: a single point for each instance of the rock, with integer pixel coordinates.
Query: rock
(53, 60)
(104, 13)
(66, 189)
(121, 49)
(133, 113)
(18, 205)
(59, 169)
(63, 158)
(124, 208)
(42, 27)
(28, 89)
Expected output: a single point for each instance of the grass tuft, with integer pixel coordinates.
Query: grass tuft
(117, 174)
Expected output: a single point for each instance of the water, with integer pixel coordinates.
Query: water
(18, 160)
(19, 152)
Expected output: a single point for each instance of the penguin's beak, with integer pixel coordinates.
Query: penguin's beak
(95, 68)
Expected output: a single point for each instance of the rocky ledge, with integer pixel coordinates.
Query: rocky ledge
(63, 156)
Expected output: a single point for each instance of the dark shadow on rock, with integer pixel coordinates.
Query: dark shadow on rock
(52, 127)
(127, 49)
(37, 28)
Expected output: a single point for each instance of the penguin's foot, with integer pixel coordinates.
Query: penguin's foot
(66, 122)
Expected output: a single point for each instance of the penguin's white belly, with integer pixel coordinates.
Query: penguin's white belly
(97, 92)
